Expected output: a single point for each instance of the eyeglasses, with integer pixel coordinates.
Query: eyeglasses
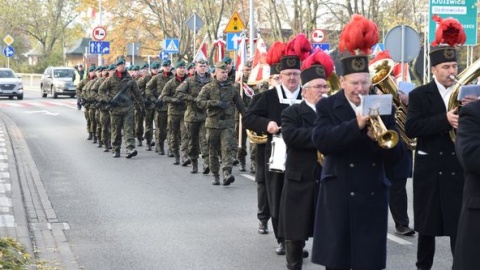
(289, 74)
(276, 78)
(318, 86)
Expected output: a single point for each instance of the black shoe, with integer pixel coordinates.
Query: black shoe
(186, 162)
(216, 180)
(235, 162)
(139, 143)
(94, 139)
(149, 146)
(177, 161)
(228, 179)
(252, 168)
(263, 228)
(242, 167)
(131, 153)
(404, 230)
(206, 170)
(100, 144)
(280, 250)
(305, 254)
(194, 166)
(170, 154)
(116, 153)
(90, 136)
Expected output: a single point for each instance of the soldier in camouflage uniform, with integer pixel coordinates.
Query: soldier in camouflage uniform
(90, 94)
(121, 91)
(219, 98)
(176, 111)
(231, 71)
(142, 80)
(95, 105)
(194, 116)
(150, 107)
(153, 91)
(138, 117)
(81, 87)
(191, 69)
(102, 108)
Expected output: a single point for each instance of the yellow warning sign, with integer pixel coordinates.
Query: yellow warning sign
(235, 24)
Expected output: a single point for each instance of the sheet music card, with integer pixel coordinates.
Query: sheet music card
(377, 104)
(469, 90)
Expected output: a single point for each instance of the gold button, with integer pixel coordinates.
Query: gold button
(352, 194)
(440, 173)
(352, 165)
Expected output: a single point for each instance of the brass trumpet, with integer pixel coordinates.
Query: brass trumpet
(386, 139)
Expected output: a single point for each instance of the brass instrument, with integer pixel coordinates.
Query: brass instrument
(320, 158)
(465, 77)
(380, 73)
(386, 139)
(256, 139)
(333, 82)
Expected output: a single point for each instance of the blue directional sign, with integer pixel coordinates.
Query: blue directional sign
(8, 51)
(163, 55)
(323, 46)
(233, 40)
(99, 47)
(172, 45)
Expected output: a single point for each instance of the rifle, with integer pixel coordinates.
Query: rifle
(118, 98)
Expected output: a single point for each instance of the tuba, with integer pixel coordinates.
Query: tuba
(465, 77)
(256, 139)
(333, 82)
(380, 73)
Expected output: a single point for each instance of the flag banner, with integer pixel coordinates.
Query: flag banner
(397, 72)
(202, 51)
(241, 59)
(260, 69)
(220, 46)
(247, 90)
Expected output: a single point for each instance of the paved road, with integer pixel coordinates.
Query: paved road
(145, 213)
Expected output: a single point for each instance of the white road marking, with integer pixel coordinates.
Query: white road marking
(248, 176)
(397, 240)
(42, 112)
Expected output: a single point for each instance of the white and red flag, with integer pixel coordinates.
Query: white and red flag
(220, 46)
(202, 51)
(260, 68)
(241, 59)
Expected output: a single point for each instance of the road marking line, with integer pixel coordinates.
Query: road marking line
(7, 221)
(398, 240)
(248, 176)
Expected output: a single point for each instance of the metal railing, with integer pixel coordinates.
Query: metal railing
(31, 81)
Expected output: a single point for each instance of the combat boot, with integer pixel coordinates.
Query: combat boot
(194, 166)
(170, 153)
(139, 142)
(216, 180)
(149, 146)
(242, 167)
(106, 147)
(228, 178)
(186, 161)
(252, 168)
(90, 136)
(235, 162)
(177, 160)
(116, 153)
(161, 149)
(100, 144)
(131, 153)
(206, 169)
(94, 139)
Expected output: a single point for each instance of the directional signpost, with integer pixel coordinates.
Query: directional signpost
(318, 35)
(99, 47)
(163, 55)
(194, 23)
(232, 41)
(234, 30)
(8, 51)
(172, 45)
(99, 33)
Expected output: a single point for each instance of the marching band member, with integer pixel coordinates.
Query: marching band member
(297, 205)
(352, 207)
(265, 117)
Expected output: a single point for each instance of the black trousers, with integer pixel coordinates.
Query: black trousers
(426, 250)
(398, 202)
(263, 213)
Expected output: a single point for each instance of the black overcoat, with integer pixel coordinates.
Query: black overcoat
(297, 205)
(268, 108)
(437, 175)
(352, 210)
(468, 149)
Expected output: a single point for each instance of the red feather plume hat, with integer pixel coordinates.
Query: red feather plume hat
(317, 65)
(449, 34)
(274, 55)
(296, 50)
(357, 38)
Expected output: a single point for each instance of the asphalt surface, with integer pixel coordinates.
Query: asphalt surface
(144, 212)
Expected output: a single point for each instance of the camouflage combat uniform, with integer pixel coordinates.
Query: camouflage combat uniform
(81, 93)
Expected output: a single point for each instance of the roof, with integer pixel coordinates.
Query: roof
(78, 47)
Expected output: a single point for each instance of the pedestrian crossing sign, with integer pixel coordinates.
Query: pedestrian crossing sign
(172, 45)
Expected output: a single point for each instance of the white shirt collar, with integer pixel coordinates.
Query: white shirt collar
(290, 95)
(311, 105)
(445, 92)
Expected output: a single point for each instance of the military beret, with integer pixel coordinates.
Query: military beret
(221, 65)
(180, 63)
(92, 68)
(135, 67)
(202, 61)
(144, 66)
(104, 68)
(155, 65)
(120, 61)
(190, 65)
(166, 63)
(99, 68)
(111, 67)
(227, 60)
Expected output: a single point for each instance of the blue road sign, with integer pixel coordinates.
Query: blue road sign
(379, 47)
(8, 51)
(163, 55)
(323, 46)
(172, 45)
(232, 40)
(99, 47)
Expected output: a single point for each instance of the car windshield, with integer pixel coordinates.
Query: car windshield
(63, 73)
(7, 74)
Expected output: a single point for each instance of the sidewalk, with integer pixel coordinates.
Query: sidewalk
(26, 213)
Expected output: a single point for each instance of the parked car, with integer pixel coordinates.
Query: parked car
(58, 81)
(10, 84)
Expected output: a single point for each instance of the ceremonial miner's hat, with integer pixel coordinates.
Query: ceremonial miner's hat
(296, 50)
(274, 54)
(318, 65)
(449, 34)
(357, 38)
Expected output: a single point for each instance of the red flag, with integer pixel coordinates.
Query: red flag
(220, 46)
(260, 68)
(91, 12)
(202, 51)
(397, 72)
(241, 59)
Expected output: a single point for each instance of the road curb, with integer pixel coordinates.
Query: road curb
(36, 223)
